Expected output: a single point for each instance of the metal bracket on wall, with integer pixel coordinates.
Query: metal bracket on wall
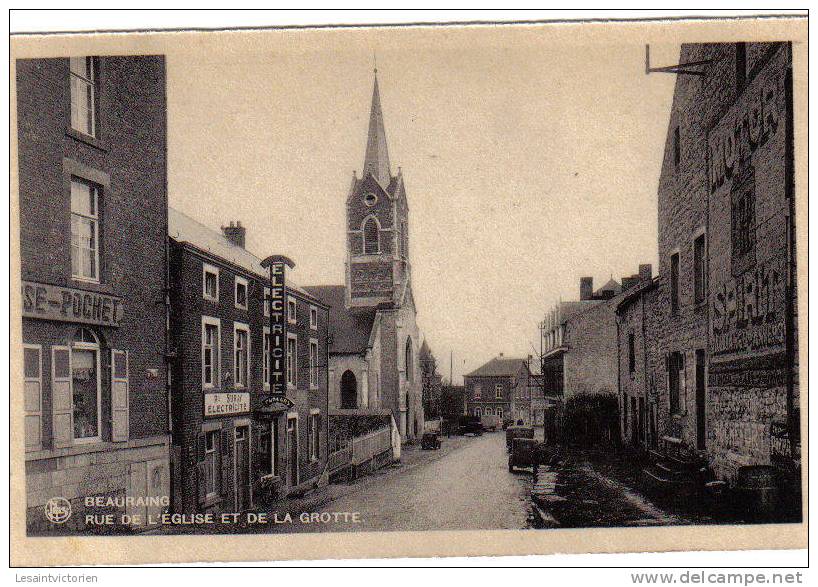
(681, 68)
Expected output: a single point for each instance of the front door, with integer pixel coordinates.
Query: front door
(242, 448)
(701, 399)
(292, 447)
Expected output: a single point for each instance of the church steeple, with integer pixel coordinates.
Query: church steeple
(376, 160)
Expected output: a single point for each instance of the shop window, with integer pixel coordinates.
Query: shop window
(76, 390)
(84, 230)
(211, 463)
(292, 359)
(241, 347)
(313, 363)
(241, 293)
(210, 283)
(264, 456)
(83, 95)
(211, 351)
(699, 269)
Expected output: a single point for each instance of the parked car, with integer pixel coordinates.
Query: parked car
(525, 452)
(470, 425)
(507, 422)
(430, 441)
(513, 432)
(490, 422)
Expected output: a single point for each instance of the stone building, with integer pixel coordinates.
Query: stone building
(235, 446)
(490, 389)
(375, 339)
(93, 226)
(725, 368)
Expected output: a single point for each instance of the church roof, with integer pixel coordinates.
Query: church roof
(612, 285)
(499, 367)
(376, 160)
(350, 328)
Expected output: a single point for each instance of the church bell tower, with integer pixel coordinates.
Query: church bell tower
(377, 214)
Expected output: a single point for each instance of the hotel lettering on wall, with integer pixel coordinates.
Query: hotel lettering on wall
(66, 304)
(748, 219)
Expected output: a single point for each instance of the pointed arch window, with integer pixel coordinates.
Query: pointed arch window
(410, 362)
(372, 241)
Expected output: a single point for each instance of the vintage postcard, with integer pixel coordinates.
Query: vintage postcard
(408, 291)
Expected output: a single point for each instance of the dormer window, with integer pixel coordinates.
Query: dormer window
(372, 243)
(370, 199)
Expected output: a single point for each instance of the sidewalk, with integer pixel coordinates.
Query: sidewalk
(412, 456)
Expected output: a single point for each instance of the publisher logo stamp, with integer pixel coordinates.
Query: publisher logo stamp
(58, 510)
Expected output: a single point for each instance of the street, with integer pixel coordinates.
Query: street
(469, 488)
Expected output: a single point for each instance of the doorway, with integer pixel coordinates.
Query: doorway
(349, 391)
(701, 400)
(292, 449)
(242, 455)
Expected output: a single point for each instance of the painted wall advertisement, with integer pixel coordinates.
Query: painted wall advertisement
(748, 219)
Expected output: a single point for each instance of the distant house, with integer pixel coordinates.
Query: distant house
(491, 388)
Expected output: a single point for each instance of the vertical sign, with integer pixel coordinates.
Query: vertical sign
(277, 265)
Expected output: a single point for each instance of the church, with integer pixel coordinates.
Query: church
(374, 337)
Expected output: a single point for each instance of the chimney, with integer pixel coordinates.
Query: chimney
(235, 233)
(586, 288)
(501, 355)
(646, 272)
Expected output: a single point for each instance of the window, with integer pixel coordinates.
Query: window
(267, 302)
(699, 269)
(315, 435)
(370, 199)
(372, 243)
(477, 392)
(84, 231)
(211, 351)
(241, 293)
(500, 413)
(241, 347)
(675, 374)
(313, 318)
(743, 223)
(83, 98)
(677, 148)
(211, 465)
(498, 391)
(292, 359)
(265, 367)
(631, 353)
(85, 385)
(477, 412)
(292, 310)
(210, 283)
(313, 363)
(410, 363)
(674, 283)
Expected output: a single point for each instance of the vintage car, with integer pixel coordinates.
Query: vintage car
(430, 441)
(513, 432)
(470, 425)
(507, 422)
(525, 452)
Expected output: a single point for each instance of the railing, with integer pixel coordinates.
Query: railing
(372, 444)
(340, 458)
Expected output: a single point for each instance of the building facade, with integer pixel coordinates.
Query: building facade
(491, 388)
(235, 448)
(726, 367)
(375, 339)
(92, 182)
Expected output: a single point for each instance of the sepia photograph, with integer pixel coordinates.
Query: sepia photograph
(542, 278)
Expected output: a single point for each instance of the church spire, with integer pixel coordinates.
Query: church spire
(376, 160)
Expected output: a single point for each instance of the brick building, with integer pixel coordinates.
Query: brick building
(233, 448)
(491, 388)
(375, 339)
(725, 365)
(93, 225)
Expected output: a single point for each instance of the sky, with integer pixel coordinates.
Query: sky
(530, 159)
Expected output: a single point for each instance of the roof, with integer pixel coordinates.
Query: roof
(350, 328)
(634, 293)
(183, 228)
(612, 285)
(376, 160)
(499, 367)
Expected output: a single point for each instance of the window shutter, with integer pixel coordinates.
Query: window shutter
(119, 395)
(226, 459)
(62, 400)
(33, 396)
